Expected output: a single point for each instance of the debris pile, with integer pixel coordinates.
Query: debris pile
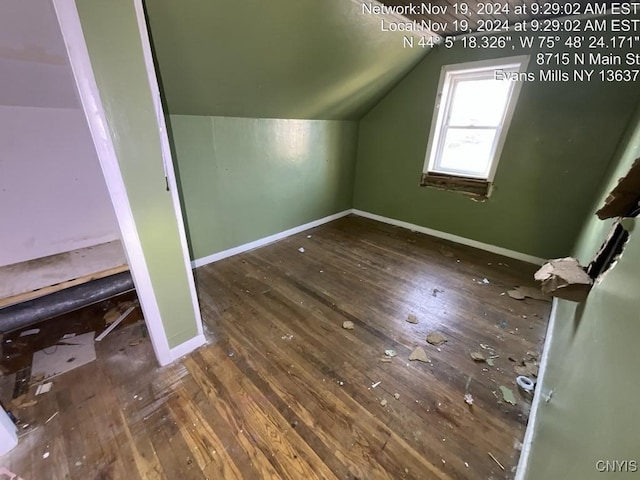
(564, 278)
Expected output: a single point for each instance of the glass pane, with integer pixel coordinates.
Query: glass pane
(467, 150)
(478, 102)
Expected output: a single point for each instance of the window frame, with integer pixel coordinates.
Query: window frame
(449, 75)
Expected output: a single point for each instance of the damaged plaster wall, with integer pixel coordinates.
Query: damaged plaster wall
(593, 357)
(594, 230)
(559, 146)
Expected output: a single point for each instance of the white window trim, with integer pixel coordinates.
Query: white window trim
(434, 146)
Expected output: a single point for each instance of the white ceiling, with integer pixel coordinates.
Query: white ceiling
(34, 70)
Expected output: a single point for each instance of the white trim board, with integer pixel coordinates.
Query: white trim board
(453, 238)
(187, 347)
(167, 160)
(538, 398)
(71, 28)
(199, 262)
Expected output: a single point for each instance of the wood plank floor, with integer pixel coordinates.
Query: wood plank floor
(284, 392)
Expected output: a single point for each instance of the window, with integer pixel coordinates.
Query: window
(473, 109)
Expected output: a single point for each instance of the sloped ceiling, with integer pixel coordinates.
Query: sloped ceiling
(305, 59)
(34, 71)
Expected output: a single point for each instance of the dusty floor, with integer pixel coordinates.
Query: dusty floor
(284, 391)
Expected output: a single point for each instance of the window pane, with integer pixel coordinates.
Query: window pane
(467, 150)
(479, 102)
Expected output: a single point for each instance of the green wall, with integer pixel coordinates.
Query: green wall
(243, 178)
(558, 149)
(308, 59)
(112, 38)
(593, 360)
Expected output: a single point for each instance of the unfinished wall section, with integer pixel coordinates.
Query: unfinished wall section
(558, 148)
(593, 358)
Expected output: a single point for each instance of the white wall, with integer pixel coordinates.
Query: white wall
(53, 197)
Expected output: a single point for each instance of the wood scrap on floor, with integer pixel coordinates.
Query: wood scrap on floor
(117, 321)
(64, 356)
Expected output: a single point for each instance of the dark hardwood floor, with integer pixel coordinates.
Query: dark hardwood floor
(283, 391)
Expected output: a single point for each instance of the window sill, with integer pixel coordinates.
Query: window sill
(475, 187)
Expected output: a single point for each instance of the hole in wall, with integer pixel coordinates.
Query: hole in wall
(609, 253)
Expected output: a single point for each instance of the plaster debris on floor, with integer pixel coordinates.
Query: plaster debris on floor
(412, 318)
(435, 338)
(477, 357)
(468, 399)
(348, 325)
(390, 353)
(520, 293)
(419, 355)
(507, 395)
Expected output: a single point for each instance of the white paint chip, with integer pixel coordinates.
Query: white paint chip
(44, 388)
(301, 249)
(33, 331)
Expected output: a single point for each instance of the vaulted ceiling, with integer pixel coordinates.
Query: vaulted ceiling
(309, 59)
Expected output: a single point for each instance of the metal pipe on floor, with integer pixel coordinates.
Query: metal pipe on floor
(33, 311)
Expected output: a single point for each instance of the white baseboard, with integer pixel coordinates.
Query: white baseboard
(538, 398)
(199, 262)
(454, 238)
(187, 347)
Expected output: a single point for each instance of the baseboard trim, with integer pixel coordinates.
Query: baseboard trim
(538, 398)
(187, 347)
(454, 238)
(266, 240)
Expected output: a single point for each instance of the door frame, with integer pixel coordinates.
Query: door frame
(71, 28)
